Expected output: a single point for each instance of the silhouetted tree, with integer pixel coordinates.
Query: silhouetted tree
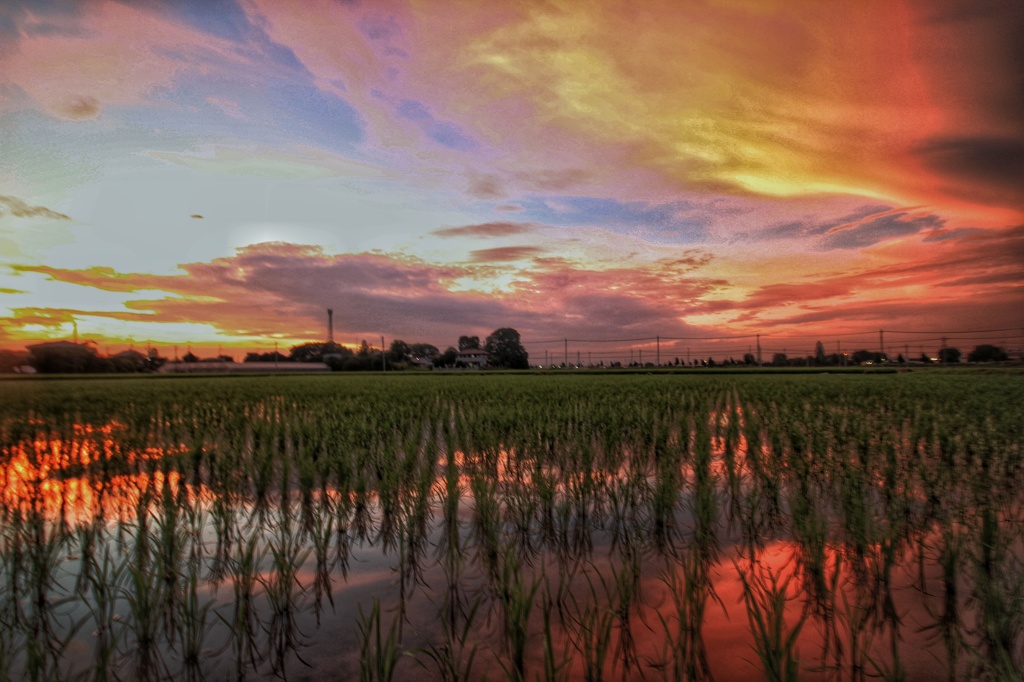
(315, 351)
(65, 357)
(399, 352)
(819, 354)
(863, 356)
(506, 349)
(424, 350)
(988, 353)
(780, 360)
(469, 342)
(447, 358)
(949, 355)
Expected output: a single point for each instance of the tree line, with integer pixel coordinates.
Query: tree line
(503, 349)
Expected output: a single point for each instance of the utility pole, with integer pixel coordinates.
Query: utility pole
(758, 350)
(383, 356)
(578, 363)
(881, 341)
(566, 360)
(659, 350)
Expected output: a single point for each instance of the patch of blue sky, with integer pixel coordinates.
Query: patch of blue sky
(445, 133)
(670, 221)
(226, 19)
(314, 116)
(290, 111)
(38, 17)
(221, 18)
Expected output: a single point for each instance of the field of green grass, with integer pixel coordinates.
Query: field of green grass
(537, 526)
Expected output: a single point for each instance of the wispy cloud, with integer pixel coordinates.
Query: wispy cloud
(19, 208)
(495, 229)
(505, 253)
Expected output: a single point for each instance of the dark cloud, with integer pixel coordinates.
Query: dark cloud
(21, 209)
(808, 228)
(973, 51)
(495, 229)
(987, 263)
(941, 235)
(504, 253)
(486, 187)
(379, 28)
(990, 167)
(553, 180)
(81, 108)
(873, 231)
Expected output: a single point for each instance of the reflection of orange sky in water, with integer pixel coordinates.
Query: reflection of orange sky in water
(61, 479)
(727, 633)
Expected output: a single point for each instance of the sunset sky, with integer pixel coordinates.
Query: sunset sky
(218, 173)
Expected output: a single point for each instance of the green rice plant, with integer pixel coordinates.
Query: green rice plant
(454, 656)
(556, 665)
(285, 595)
(775, 642)
(143, 596)
(686, 656)
(103, 584)
(242, 574)
(515, 594)
(590, 626)
(321, 530)
(379, 652)
(998, 594)
(37, 597)
(196, 625)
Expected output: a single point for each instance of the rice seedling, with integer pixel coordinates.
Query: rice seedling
(379, 652)
(765, 596)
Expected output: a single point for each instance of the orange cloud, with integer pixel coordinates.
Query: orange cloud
(495, 229)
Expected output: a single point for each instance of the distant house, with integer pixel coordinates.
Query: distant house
(423, 363)
(472, 357)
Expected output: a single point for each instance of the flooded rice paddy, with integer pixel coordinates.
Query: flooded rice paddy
(665, 527)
